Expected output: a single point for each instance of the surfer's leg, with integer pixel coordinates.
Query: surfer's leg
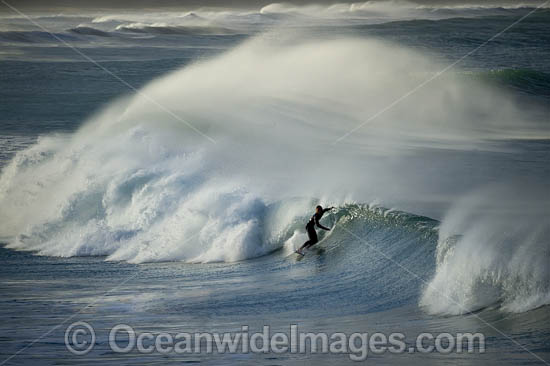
(312, 234)
(312, 238)
(311, 243)
(305, 245)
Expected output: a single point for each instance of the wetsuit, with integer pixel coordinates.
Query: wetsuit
(310, 228)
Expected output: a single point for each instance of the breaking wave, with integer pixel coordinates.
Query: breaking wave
(205, 164)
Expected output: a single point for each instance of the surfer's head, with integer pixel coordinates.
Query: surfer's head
(319, 209)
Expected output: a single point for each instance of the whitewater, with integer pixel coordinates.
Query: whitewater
(203, 177)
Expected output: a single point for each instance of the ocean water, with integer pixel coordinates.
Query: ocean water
(166, 184)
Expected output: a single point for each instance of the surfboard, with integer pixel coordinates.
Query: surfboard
(300, 256)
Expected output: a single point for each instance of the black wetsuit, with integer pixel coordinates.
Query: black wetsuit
(310, 228)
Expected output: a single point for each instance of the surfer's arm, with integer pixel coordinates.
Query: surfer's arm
(327, 209)
(321, 226)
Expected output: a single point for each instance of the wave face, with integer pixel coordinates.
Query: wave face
(216, 178)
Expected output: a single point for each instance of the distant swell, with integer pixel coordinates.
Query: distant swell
(90, 31)
(33, 36)
(173, 29)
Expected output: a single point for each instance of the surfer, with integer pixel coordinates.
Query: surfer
(310, 228)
